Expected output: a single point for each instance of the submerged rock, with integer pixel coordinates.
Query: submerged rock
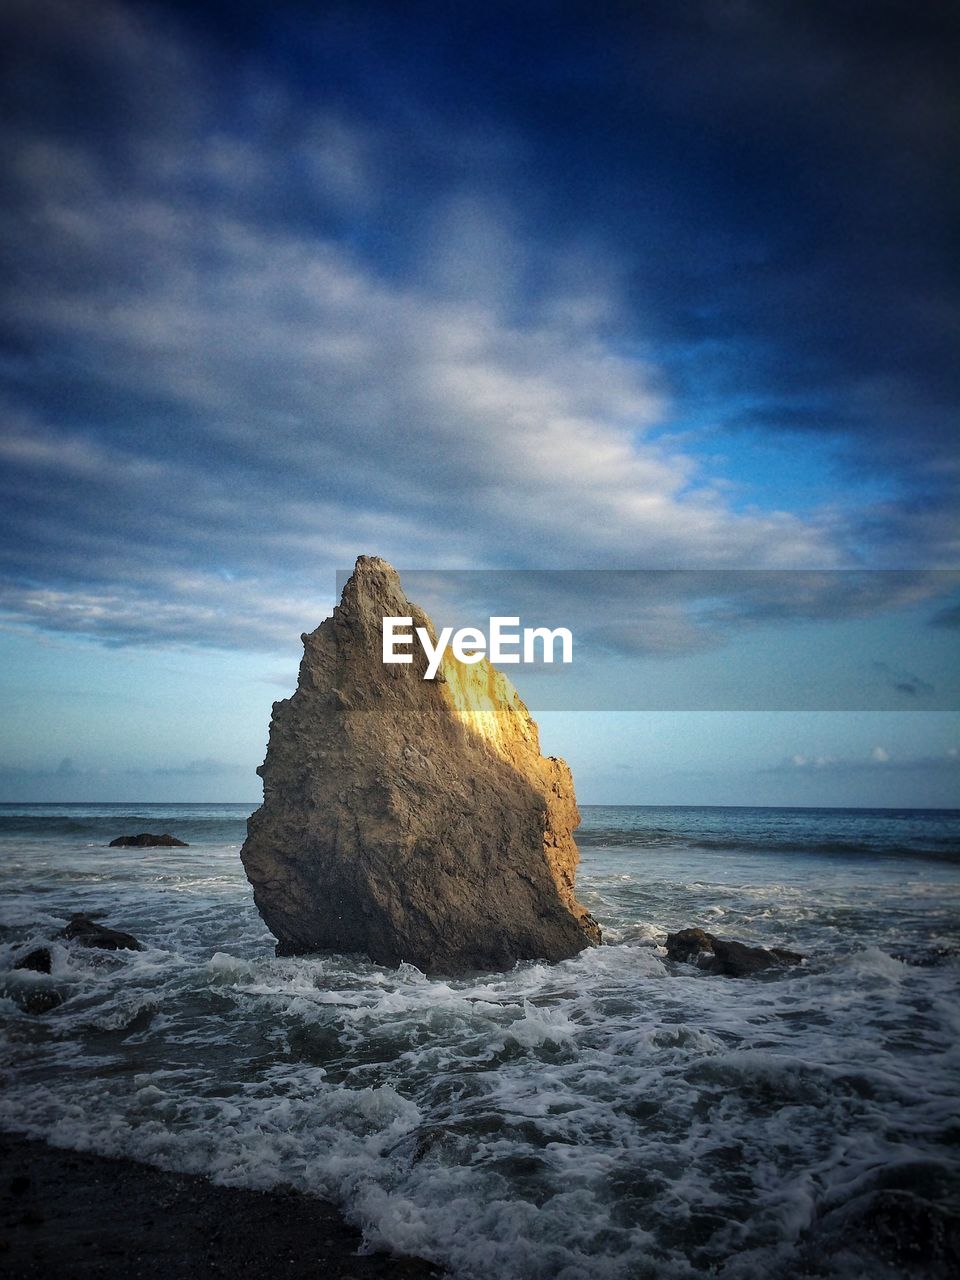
(38, 960)
(412, 820)
(719, 955)
(42, 1000)
(81, 928)
(903, 1218)
(147, 841)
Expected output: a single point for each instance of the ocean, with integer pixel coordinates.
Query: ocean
(613, 1117)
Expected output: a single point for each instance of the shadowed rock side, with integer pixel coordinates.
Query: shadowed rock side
(412, 820)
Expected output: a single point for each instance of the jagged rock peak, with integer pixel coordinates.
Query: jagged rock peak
(409, 819)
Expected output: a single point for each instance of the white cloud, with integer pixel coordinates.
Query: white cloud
(876, 761)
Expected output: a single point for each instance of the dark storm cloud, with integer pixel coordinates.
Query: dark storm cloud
(287, 283)
(777, 178)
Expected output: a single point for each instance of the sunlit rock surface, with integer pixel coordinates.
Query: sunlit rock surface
(408, 819)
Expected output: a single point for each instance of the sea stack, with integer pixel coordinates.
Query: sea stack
(409, 819)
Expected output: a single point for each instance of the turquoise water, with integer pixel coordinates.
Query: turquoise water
(614, 1116)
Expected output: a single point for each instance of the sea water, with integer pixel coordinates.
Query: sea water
(615, 1116)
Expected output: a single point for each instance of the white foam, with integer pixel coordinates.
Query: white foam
(609, 1117)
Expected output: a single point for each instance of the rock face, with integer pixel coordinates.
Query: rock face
(717, 955)
(147, 841)
(409, 819)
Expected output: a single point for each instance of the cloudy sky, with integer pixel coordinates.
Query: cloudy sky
(511, 286)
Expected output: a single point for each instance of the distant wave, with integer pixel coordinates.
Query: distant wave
(771, 832)
(103, 829)
(617, 838)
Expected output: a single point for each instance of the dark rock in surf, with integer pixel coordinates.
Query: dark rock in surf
(39, 960)
(90, 934)
(902, 1229)
(40, 1001)
(410, 819)
(726, 957)
(927, 957)
(426, 1142)
(688, 944)
(147, 841)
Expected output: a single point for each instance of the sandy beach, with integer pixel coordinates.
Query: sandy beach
(68, 1213)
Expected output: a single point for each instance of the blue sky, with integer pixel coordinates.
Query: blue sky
(511, 286)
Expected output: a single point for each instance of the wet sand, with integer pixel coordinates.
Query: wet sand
(71, 1214)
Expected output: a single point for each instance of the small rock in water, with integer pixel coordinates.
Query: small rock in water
(147, 841)
(40, 1001)
(39, 960)
(90, 934)
(718, 955)
(426, 1142)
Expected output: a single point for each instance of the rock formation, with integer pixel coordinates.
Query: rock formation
(81, 928)
(409, 819)
(147, 841)
(39, 960)
(724, 956)
(41, 1000)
